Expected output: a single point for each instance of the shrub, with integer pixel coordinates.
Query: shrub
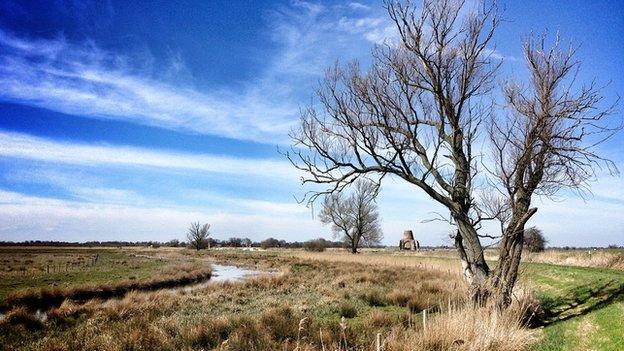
(534, 240)
(280, 323)
(23, 316)
(318, 245)
(269, 243)
(398, 297)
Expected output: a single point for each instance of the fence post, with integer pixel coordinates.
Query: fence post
(424, 313)
(378, 342)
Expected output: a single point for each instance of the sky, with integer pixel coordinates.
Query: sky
(128, 120)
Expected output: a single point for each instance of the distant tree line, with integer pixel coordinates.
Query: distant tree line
(171, 243)
(242, 242)
(231, 242)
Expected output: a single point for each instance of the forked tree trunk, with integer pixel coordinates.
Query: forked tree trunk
(354, 242)
(474, 267)
(354, 248)
(510, 252)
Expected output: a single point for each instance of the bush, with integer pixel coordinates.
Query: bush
(380, 319)
(534, 240)
(269, 243)
(318, 245)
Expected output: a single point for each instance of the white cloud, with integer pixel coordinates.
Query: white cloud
(575, 222)
(23, 146)
(358, 6)
(31, 217)
(377, 30)
(82, 79)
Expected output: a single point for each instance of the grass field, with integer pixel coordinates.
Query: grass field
(24, 267)
(586, 307)
(316, 301)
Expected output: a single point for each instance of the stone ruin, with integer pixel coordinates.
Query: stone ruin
(408, 242)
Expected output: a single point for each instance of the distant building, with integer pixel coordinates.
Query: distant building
(408, 242)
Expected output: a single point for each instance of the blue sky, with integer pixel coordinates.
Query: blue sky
(127, 120)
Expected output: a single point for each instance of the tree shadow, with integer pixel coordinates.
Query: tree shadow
(579, 301)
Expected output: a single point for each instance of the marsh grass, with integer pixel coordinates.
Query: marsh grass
(45, 298)
(310, 305)
(343, 300)
(467, 328)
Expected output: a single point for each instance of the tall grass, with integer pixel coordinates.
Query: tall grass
(312, 304)
(467, 328)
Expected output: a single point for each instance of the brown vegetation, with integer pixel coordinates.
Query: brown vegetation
(44, 298)
(310, 305)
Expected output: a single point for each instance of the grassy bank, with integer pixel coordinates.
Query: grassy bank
(584, 307)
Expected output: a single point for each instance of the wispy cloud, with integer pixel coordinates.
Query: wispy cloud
(84, 80)
(17, 145)
(358, 6)
(80, 78)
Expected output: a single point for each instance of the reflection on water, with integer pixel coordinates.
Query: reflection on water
(227, 273)
(41, 316)
(221, 273)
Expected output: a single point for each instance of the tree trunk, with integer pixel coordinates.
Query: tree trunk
(475, 269)
(510, 253)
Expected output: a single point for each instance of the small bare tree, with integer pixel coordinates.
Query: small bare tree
(534, 240)
(197, 236)
(355, 217)
(546, 143)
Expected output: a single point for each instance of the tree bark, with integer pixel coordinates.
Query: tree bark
(474, 268)
(510, 253)
(506, 273)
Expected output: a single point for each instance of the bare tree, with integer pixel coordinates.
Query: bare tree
(355, 217)
(416, 112)
(246, 242)
(197, 236)
(413, 115)
(546, 143)
(534, 240)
